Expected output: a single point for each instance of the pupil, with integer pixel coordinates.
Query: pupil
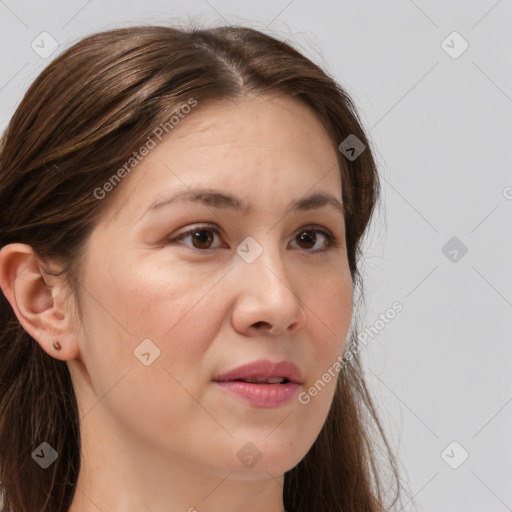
(201, 239)
(307, 238)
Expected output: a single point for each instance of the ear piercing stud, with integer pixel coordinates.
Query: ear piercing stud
(57, 345)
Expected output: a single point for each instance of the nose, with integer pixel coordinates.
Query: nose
(266, 302)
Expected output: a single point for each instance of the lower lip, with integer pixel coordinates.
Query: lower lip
(263, 395)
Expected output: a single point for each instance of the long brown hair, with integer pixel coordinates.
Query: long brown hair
(82, 119)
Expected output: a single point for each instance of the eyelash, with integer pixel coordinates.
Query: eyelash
(332, 241)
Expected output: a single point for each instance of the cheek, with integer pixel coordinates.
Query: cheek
(329, 307)
(173, 309)
(124, 305)
(152, 298)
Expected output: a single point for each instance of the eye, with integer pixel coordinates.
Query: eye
(202, 237)
(309, 237)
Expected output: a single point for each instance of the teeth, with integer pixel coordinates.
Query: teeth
(266, 380)
(275, 380)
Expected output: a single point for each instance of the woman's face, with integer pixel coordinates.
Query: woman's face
(165, 310)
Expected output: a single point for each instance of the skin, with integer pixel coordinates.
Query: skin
(163, 437)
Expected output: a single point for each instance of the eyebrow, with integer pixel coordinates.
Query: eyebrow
(219, 199)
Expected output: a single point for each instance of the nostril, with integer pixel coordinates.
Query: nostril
(259, 324)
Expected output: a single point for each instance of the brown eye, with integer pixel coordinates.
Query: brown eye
(306, 238)
(202, 238)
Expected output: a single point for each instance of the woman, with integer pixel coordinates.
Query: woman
(182, 213)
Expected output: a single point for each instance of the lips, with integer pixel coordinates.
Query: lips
(264, 371)
(262, 383)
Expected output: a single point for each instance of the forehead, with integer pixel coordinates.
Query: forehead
(270, 144)
(277, 122)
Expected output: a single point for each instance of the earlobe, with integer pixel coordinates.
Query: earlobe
(37, 302)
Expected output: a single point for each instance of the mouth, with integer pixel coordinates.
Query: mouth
(262, 380)
(262, 383)
(264, 371)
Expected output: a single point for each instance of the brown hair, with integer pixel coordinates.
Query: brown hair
(82, 118)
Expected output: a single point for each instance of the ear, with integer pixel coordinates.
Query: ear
(38, 299)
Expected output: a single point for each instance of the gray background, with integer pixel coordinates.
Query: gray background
(442, 129)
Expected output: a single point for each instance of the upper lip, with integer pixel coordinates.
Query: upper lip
(264, 368)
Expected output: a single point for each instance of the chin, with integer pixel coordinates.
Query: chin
(258, 459)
